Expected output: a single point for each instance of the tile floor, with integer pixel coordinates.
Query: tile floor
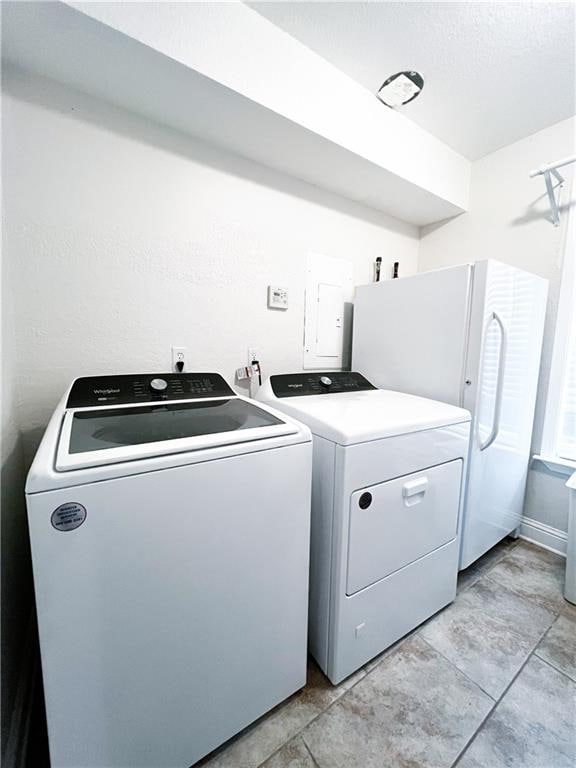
(488, 682)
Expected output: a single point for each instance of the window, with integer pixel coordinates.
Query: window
(559, 436)
(566, 440)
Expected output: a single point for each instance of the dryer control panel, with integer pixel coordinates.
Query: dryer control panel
(331, 382)
(93, 391)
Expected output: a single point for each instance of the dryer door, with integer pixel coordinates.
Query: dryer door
(392, 524)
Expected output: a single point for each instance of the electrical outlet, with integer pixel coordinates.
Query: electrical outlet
(179, 355)
(252, 354)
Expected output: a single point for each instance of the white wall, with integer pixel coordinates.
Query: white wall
(129, 237)
(509, 220)
(279, 72)
(122, 238)
(16, 576)
(508, 216)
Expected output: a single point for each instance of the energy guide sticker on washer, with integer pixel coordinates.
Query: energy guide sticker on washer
(69, 516)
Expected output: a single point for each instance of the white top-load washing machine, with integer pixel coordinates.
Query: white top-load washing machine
(387, 487)
(169, 521)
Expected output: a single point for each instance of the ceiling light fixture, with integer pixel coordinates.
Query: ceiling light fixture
(400, 88)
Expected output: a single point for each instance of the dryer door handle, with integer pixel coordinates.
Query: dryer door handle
(415, 487)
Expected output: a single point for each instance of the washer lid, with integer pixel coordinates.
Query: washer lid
(111, 434)
(358, 416)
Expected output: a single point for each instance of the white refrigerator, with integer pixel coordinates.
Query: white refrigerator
(469, 335)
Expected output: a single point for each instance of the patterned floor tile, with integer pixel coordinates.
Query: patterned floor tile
(413, 709)
(532, 727)
(256, 744)
(292, 755)
(559, 646)
(488, 633)
(468, 577)
(495, 554)
(533, 573)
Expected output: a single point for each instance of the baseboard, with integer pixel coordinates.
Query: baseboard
(543, 535)
(16, 751)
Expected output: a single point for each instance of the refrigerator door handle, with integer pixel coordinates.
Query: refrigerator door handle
(499, 383)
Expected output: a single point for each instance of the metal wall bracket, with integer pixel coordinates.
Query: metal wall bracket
(548, 171)
(551, 189)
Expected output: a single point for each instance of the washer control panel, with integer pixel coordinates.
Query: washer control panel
(300, 384)
(144, 388)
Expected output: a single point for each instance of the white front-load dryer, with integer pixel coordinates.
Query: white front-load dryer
(169, 521)
(388, 477)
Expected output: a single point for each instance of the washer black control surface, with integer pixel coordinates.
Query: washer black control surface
(144, 388)
(299, 384)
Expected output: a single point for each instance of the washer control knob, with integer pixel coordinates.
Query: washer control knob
(158, 385)
(326, 381)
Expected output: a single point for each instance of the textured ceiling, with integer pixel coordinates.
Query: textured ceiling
(494, 71)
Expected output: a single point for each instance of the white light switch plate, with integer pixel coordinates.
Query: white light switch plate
(277, 297)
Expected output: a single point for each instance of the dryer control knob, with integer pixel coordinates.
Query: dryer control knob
(158, 385)
(326, 381)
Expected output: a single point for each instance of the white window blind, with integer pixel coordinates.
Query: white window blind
(559, 436)
(513, 294)
(566, 448)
